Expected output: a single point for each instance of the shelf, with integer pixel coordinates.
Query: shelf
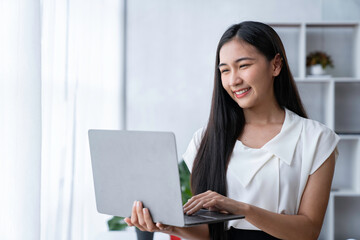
(332, 24)
(333, 100)
(347, 107)
(345, 193)
(346, 217)
(346, 170)
(323, 37)
(350, 136)
(315, 97)
(315, 24)
(344, 80)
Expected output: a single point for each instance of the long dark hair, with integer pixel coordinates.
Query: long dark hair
(226, 120)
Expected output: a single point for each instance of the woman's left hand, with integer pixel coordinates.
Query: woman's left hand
(214, 202)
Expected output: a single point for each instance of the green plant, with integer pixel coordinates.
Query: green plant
(318, 57)
(184, 182)
(118, 224)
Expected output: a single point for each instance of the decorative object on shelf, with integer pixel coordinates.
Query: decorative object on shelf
(318, 61)
(118, 223)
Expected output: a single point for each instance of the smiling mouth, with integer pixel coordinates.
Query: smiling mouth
(242, 91)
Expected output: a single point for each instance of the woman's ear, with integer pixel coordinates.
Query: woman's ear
(276, 64)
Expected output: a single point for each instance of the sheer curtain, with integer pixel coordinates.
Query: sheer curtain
(20, 119)
(81, 89)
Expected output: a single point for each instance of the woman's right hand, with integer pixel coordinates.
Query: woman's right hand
(141, 218)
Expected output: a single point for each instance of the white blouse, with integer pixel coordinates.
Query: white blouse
(274, 176)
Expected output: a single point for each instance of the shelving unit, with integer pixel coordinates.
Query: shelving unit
(334, 101)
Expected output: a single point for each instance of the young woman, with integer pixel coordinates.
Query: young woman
(259, 155)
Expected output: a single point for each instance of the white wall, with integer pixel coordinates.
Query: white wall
(340, 10)
(171, 55)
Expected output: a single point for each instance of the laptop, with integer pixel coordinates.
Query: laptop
(142, 166)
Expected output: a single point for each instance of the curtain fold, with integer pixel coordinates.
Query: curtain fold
(81, 76)
(20, 119)
(60, 75)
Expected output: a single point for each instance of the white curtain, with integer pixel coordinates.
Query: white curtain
(20, 119)
(81, 89)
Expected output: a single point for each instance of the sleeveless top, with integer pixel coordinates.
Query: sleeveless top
(274, 176)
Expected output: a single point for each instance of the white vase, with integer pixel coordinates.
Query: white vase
(317, 70)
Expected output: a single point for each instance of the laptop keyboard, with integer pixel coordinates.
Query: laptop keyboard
(205, 216)
(195, 219)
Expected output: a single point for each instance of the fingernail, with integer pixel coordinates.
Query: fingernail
(138, 203)
(144, 210)
(134, 204)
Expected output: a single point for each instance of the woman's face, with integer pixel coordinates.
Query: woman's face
(247, 75)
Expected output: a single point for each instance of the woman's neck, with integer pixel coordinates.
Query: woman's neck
(265, 114)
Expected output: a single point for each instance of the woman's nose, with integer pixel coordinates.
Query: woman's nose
(235, 79)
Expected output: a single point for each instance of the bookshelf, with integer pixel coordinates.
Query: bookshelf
(335, 101)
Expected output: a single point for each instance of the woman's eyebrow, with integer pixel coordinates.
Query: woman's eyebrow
(237, 60)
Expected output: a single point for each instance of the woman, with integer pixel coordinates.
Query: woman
(258, 156)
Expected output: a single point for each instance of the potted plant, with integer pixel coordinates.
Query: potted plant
(118, 224)
(318, 61)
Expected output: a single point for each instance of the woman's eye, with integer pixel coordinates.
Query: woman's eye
(244, 65)
(224, 70)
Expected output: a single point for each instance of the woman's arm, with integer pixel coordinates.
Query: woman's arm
(141, 218)
(305, 225)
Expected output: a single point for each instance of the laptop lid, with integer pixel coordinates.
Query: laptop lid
(135, 165)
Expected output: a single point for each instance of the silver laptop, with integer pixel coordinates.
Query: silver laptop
(133, 166)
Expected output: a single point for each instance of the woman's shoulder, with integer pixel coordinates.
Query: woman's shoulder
(198, 135)
(311, 126)
(193, 147)
(317, 135)
(318, 141)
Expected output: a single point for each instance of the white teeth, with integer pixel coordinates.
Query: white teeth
(242, 91)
